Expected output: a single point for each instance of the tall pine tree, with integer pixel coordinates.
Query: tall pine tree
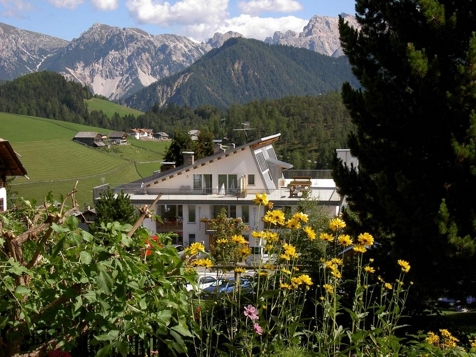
(415, 187)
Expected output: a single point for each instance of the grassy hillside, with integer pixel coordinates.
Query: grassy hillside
(54, 162)
(110, 108)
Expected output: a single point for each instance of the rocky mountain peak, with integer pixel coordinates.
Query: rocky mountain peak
(321, 35)
(219, 39)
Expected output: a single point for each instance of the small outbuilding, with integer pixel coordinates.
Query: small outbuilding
(89, 138)
(118, 137)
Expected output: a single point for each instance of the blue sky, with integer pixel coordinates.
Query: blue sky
(197, 19)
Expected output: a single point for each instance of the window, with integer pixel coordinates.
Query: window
(245, 214)
(191, 238)
(251, 179)
(170, 212)
(228, 182)
(202, 183)
(230, 210)
(197, 182)
(191, 214)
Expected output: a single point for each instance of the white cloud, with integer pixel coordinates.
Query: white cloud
(105, 4)
(183, 12)
(15, 8)
(259, 6)
(69, 4)
(249, 26)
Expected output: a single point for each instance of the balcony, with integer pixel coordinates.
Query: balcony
(170, 225)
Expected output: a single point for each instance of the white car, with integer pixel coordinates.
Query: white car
(203, 281)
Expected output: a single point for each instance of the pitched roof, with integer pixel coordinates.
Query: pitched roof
(86, 134)
(10, 164)
(162, 176)
(117, 134)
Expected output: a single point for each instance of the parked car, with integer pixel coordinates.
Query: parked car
(180, 250)
(203, 281)
(226, 286)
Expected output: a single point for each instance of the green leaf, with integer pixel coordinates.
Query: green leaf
(85, 257)
(3, 321)
(58, 247)
(78, 303)
(182, 330)
(87, 237)
(110, 336)
(105, 351)
(22, 290)
(105, 282)
(59, 229)
(123, 348)
(90, 296)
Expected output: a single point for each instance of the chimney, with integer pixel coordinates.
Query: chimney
(188, 158)
(167, 165)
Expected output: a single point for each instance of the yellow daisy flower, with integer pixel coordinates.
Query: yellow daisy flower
(238, 239)
(290, 250)
(306, 279)
(310, 232)
(405, 265)
(336, 224)
(203, 263)
(301, 217)
(261, 199)
(369, 269)
(293, 224)
(359, 248)
(195, 248)
(365, 239)
(328, 288)
(326, 236)
(344, 240)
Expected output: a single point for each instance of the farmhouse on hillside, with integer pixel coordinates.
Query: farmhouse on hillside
(118, 137)
(90, 138)
(161, 136)
(10, 165)
(198, 190)
(194, 134)
(142, 133)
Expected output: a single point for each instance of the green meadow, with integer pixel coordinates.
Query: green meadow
(109, 108)
(55, 162)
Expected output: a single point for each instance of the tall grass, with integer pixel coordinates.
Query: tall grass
(54, 162)
(109, 108)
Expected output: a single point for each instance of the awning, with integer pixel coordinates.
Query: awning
(279, 163)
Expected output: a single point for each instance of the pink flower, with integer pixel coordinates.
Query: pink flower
(251, 312)
(258, 329)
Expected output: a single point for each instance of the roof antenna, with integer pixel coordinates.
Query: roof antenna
(246, 127)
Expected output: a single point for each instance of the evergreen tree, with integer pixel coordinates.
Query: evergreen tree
(415, 136)
(180, 143)
(204, 145)
(115, 208)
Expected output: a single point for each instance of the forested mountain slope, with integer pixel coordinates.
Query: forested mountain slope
(243, 70)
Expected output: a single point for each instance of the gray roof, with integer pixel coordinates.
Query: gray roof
(209, 159)
(86, 134)
(117, 134)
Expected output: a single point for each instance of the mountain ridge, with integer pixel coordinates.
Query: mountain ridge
(243, 70)
(118, 62)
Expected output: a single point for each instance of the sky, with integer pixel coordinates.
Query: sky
(196, 19)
